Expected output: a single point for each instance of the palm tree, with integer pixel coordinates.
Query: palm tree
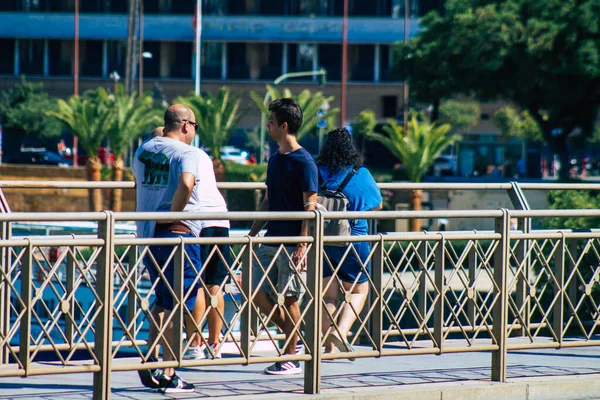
(132, 116)
(87, 118)
(310, 103)
(416, 149)
(217, 116)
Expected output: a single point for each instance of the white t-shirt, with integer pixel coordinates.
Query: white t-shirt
(157, 167)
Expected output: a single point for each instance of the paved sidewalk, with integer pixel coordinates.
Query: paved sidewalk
(535, 374)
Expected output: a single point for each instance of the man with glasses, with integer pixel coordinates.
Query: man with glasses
(173, 176)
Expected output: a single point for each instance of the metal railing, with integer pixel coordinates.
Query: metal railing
(478, 288)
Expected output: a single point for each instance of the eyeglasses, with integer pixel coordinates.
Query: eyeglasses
(194, 124)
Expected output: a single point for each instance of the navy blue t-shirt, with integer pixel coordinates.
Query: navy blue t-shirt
(288, 176)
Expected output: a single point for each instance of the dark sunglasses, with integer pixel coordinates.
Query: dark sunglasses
(194, 124)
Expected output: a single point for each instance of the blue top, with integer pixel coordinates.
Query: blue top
(361, 191)
(288, 176)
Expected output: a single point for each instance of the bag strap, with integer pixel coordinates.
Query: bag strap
(341, 186)
(349, 176)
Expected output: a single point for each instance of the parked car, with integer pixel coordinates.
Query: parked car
(38, 158)
(234, 154)
(445, 166)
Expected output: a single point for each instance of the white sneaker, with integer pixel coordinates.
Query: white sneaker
(195, 353)
(213, 348)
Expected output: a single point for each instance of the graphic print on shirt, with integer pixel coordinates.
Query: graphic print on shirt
(156, 168)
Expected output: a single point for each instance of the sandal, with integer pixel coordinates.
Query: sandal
(342, 346)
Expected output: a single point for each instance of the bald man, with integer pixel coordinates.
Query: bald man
(169, 173)
(158, 131)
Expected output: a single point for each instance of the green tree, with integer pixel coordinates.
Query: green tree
(461, 115)
(573, 200)
(416, 149)
(131, 117)
(517, 124)
(542, 56)
(88, 118)
(23, 108)
(309, 102)
(365, 123)
(218, 116)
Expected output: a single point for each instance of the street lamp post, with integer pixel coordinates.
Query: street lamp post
(321, 72)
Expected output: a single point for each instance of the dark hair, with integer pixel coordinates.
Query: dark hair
(287, 110)
(339, 151)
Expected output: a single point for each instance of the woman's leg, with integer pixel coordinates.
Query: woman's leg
(330, 298)
(350, 310)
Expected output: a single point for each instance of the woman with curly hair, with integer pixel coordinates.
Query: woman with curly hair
(337, 159)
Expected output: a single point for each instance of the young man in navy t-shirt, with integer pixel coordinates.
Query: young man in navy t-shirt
(292, 185)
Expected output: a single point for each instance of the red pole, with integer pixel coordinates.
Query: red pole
(141, 56)
(344, 63)
(76, 74)
(405, 83)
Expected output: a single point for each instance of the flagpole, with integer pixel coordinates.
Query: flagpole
(198, 29)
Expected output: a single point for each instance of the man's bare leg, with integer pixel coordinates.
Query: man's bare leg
(193, 338)
(157, 315)
(215, 323)
(293, 307)
(266, 305)
(168, 338)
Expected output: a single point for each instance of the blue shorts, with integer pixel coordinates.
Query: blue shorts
(351, 270)
(192, 264)
(215, 271)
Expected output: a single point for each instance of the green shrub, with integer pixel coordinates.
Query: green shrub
(569, 200)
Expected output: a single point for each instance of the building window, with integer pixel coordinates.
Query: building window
(238, 7)
(117, 53)
(7, 62)
(214, 7)
(272, 68)
(362, 60)
(237, 64)
(91, 58)
(9, 5)
(301, 57)
(31, 56)
(389, 106)
(386, 64)
(211, 60)
(60, 54)
(181, 67)
(362, 8)
(151, 59)
(330, 59)
(183, 6)
(398, 8)
(272, 7)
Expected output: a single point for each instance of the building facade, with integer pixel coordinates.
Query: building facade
(246, 44)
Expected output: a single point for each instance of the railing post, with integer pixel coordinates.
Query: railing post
(104, 281)
(559, 286)
(246, 317)
(377, 263)
(519, 202)
(472, 289)
(572, 284)
(70, 296)
(178, 303)
(499, 311)
(312, 326)
(26, 297)
(132, 273)
(423, 268)
(438, 312)
(4, 291)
